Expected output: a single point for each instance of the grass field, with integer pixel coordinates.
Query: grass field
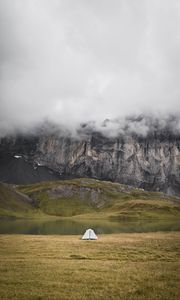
(118, 266)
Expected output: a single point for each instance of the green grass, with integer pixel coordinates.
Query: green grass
(14, 204)
(118, 266)
(87, 198)
(92, 198)
(63, 207)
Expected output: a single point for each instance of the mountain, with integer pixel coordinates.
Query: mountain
(151, 162)
(17, 169)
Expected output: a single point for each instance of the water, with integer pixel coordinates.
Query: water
(68, 227)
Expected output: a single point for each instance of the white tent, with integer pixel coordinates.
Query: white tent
(89, 235)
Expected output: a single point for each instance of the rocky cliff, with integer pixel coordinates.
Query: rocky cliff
(151, 162)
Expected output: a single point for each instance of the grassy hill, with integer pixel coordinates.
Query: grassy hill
(92, 198)
(86, 198)
(13, 203)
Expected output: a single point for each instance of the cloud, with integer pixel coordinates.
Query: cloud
(71, 62)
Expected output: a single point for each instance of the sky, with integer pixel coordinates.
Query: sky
(71, 62)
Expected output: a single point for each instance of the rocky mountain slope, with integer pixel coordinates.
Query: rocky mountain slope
(151, 162)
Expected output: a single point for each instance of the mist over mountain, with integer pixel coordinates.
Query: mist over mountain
(140, 125)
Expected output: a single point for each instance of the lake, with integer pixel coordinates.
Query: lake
(71, 227)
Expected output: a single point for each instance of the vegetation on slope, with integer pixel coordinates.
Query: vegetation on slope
(100, 199)
(87, 198)
(14, 203)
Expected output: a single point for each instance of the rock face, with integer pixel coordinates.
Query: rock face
(151, 162)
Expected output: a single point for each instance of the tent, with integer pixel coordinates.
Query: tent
(89, 235)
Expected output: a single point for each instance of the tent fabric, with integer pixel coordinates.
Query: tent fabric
(89, 235)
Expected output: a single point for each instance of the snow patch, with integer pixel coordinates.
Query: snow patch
(17, 156)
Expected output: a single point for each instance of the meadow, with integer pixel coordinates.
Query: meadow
(134, 266)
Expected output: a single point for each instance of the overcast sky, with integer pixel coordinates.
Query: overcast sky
(73, 61)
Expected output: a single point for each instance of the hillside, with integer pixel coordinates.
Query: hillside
(13, 203)
(86, 198)
(92, 198)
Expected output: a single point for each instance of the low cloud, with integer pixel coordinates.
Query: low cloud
(141, 125)
(74, 62)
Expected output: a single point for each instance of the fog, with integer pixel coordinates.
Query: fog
(72, 62)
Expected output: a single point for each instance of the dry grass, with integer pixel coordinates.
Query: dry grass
(119, 266)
